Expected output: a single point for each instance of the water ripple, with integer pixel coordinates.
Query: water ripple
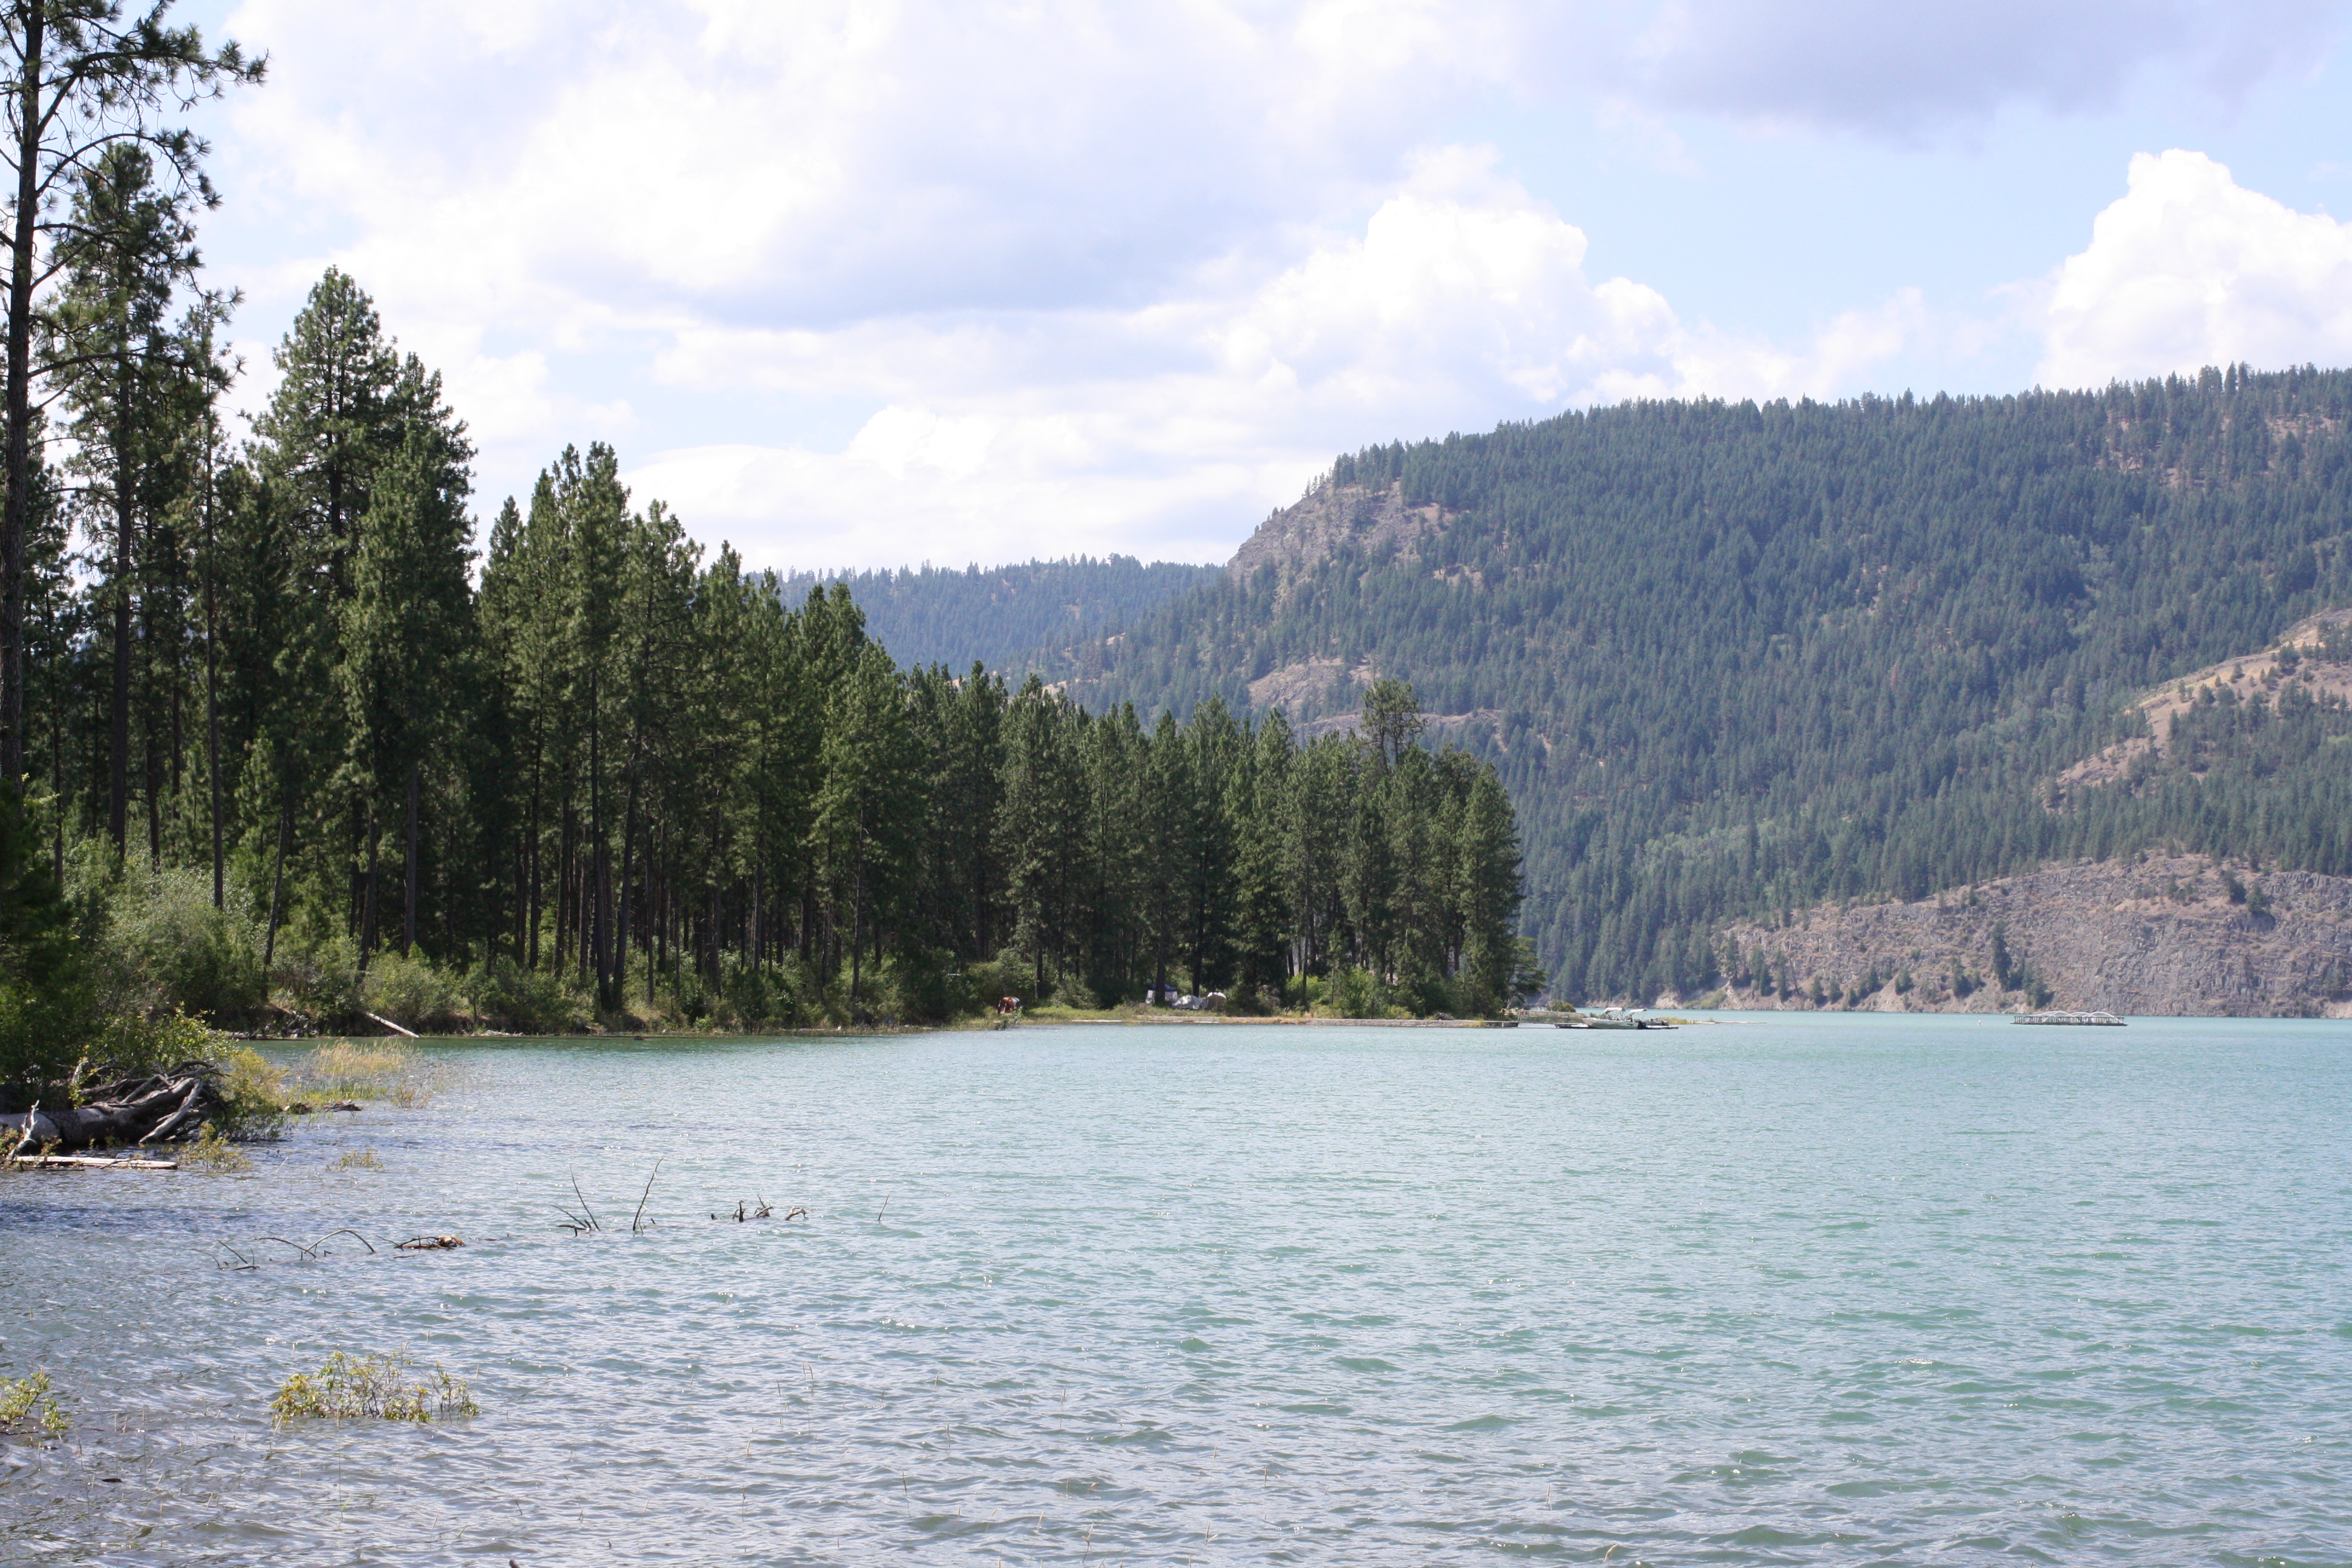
(1815, 1290)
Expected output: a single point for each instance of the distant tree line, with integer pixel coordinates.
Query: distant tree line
(607, 773)
(1735, 659)
(1008, 617)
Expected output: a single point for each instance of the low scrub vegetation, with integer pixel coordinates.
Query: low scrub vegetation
(213, 1152)
(27, 1409)
(392, 1071)
(372, 1387)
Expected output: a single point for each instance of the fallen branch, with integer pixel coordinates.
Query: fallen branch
(139, 1110)
(88, 1162)
(312, 1250)
(390, 1025)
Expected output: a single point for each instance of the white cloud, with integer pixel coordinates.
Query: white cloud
(2189, 268)
(1461, 303)
(1059, 274)
(1912, 69)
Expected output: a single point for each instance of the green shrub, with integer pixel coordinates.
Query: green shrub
(1005, 975)
(1075, 994)
(751, 997)
(164, 946)
(916, 988)
(320, 976)
(215, 1153)
(133, 1044)
(1425, 994)
(1359, 994)
(253, 1096)
(414, 993)
(505, 995)
(44, 1031)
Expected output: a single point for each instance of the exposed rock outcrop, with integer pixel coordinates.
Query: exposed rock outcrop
(1330, 519)
(2179, 936)
(2298, 661)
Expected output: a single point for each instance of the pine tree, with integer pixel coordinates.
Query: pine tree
(404, 637)
(126, 373)
(84, 84)
(866, 806)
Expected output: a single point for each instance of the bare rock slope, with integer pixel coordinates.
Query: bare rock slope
(1332, 518)
(2177, 935)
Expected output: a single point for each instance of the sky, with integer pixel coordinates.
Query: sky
(884, 282)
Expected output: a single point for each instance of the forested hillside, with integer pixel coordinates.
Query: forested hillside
(1735, 660)
(1005, 617)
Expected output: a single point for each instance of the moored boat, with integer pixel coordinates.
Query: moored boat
(1616, 1018)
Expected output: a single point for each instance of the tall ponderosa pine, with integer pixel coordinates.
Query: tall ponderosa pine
(139, 386)
(405, 643)
(351, 414)
(83, 80)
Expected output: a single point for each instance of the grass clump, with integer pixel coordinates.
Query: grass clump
(358, 1160)
(390, 1070)
(379, 1387)
(253, 1096)
(27, 1407)
(213, 1152)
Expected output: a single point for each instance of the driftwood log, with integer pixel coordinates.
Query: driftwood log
(157, 1109)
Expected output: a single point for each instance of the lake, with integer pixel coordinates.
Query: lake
(1827, 1289)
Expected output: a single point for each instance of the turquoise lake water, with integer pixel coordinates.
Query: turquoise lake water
(1800, 1290)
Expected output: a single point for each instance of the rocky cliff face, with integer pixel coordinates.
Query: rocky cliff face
(2179, 936)
(1330, 518)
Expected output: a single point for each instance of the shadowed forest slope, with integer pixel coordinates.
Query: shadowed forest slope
(1734, 661)
(1005, 617)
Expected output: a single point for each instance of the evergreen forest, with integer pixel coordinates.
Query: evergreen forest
(1006, 617)
(293, 754)
(1733, 659)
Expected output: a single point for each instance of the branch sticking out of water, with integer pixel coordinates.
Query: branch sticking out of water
(581, 1223)
(314, 1249)
(637, 1224)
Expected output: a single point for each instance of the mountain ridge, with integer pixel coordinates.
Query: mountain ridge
(1734, 659)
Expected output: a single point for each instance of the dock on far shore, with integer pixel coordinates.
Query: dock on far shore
(2103, 1020)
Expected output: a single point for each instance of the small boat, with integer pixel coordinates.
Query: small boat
(1616, 1018)
(2098, 1020)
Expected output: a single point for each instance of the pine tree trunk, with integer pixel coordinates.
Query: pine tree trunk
(563, 888)
(592, 932)
(618, 973)
(368, 883)
(408, 914)
(278, 882)
(17, 507)
(118, 753)
(212, 699)
(152, 749)
(532, 841)
(856, 929)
